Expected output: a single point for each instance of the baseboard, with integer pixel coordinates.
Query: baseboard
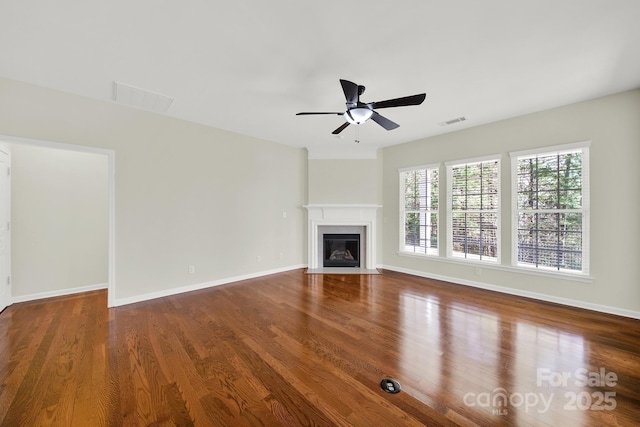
(198, 286)
(59, 293)
(517, 292)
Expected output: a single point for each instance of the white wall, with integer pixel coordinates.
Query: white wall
(345, 181)
(348, 181)
(185, 194)
(612, 126)
(191, 195)
(59, 220)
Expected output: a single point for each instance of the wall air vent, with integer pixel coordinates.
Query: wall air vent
(140, 98)
(453, 121)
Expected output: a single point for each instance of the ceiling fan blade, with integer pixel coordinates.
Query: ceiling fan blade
(400, 102)
(384, 122)
(311, 113)
(350, 90)
(341, 128)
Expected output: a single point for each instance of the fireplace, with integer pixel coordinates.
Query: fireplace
(341, 250)
(346, 220)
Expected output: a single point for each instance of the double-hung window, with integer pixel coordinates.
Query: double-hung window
(473, 194)
(419, 210)
(550, 208)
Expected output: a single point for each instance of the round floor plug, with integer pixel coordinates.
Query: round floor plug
(390, 385)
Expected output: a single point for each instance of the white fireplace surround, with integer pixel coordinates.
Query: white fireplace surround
(348, 216)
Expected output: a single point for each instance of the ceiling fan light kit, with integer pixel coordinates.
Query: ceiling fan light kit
(355, 116)
(359, 112)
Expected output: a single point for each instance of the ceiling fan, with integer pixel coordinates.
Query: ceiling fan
(359, 112)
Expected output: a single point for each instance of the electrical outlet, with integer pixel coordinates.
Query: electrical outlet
(284, 214)
(192, 269)
(259, 258)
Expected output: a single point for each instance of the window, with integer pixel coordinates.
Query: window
(419, 210)
(550, 205)
(473, 209)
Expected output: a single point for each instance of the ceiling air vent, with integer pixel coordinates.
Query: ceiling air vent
(140, 98)
(453, 121)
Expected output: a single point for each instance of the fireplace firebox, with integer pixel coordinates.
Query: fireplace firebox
(341, 250)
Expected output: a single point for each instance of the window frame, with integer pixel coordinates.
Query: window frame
(556, 150)
(402, 246)
(449, 202)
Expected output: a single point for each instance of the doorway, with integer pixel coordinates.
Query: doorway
(62, 151)
(5, 227)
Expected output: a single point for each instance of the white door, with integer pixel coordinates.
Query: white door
(5, 200)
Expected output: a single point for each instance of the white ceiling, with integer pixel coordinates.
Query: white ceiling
(249, 65)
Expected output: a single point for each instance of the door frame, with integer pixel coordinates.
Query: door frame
(4, 147)
(111, 186)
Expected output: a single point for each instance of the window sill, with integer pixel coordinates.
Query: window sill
(576, 277)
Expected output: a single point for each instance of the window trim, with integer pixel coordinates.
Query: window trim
(449, 210)
(506, 268)
(401, 205)
(584, 147)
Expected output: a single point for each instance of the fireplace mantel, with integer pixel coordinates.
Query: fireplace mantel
(346, 215)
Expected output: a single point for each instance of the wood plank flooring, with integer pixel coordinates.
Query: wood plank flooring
(293, 349)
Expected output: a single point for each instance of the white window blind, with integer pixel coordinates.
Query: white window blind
(474, 210)
(419, 210)
(550, 209)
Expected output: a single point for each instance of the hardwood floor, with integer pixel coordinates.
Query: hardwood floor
(310, 350)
